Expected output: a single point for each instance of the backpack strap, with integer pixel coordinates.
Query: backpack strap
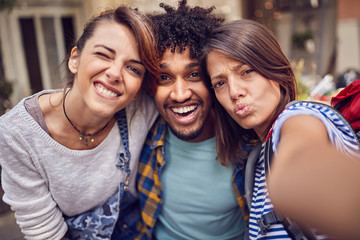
(250, 168)
(266, 220)
(295, 231)
(268, 155)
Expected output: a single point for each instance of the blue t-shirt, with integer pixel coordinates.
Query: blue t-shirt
(199, 200)
(339, 135)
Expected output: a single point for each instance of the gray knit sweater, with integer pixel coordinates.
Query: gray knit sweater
(43, 180)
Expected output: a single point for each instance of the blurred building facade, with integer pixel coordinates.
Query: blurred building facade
(319, 36)
(348, 35)
(35, 36)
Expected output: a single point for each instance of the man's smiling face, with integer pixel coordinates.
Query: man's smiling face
(182, 97)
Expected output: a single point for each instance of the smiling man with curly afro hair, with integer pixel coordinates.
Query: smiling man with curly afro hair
(184, 192)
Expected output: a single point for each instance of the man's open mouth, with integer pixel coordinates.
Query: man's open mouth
(184, 111)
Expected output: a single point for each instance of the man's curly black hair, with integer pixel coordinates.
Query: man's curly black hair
(184, 27)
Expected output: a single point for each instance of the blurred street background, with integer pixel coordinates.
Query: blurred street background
(320, 37)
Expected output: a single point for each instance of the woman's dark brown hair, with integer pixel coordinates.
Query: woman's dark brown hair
(253, 44)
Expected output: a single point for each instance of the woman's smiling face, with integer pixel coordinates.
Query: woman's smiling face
(108, 71)
(248, 97)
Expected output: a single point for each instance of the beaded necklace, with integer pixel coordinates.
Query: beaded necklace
(82, 135)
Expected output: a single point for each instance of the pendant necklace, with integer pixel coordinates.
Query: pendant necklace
(82, 135)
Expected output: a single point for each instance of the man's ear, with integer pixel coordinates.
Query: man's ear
(74, 60)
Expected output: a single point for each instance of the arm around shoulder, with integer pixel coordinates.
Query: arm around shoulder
(312, 182)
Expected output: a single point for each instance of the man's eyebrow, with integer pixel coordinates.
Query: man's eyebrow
(192, 64)
(164, 65)
(113, 52)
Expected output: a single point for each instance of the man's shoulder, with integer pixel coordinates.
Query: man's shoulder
(157, 132)
(154, 140)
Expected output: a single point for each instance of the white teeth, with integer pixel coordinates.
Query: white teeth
(104, 91)
(184, 109)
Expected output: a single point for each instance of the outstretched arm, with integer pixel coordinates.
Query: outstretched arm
(313, 183)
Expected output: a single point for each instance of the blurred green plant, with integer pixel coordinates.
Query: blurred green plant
(6, 87)
(299, 39)
(7, 4)
(303, 91)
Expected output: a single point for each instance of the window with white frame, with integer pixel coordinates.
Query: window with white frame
(36, 42)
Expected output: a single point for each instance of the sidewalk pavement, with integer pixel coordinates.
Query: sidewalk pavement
(9, 230)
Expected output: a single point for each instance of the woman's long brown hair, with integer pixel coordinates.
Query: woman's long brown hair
(253, 44)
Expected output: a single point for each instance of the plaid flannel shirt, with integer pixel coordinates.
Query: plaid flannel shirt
(149, 186)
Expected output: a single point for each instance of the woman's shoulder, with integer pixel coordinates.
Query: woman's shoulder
(309, 105)
(144, 102)
(144, 107)
(328, 115)
(339, 132)
(15, 113)
(18, 118)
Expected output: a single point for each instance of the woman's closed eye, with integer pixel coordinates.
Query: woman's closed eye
(101, 54)
(247, 71)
